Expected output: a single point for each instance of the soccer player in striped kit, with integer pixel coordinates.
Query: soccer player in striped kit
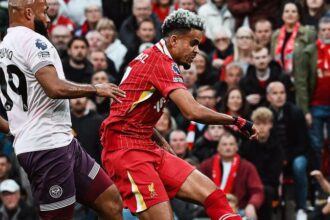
(147, 175)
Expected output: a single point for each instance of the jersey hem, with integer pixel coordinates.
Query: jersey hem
(44, 148)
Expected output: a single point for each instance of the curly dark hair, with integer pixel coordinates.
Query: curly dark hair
(182, 21)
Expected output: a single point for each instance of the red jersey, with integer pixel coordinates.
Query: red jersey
(321, 94)
(162, 14)
(148, 81)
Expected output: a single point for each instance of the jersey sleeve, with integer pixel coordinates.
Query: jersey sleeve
(40, 53)
(166, 77)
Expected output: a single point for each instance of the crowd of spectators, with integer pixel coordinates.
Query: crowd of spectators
(266, 61)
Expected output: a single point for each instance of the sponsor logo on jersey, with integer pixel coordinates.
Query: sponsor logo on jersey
(43, 54)
(175, 68)
(177, 79)
(41, 45)
(55, 191)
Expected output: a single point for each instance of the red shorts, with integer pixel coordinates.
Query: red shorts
(145, 177)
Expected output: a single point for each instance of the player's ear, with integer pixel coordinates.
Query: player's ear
(173, 39)
(29, 14)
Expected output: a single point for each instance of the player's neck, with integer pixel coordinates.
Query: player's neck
(17, 24)
(169, 48)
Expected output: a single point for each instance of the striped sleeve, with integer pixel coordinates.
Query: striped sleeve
(166, 77)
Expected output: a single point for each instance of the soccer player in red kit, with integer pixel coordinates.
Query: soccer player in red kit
(147, 175)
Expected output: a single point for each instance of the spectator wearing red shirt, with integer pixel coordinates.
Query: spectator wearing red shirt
(57, 19)
(318, 64)
(93, 14)
(162, 8)
(253, 10)
(223, 48)
(235, 175)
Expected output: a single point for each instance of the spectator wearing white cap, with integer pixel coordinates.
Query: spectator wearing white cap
(13, 208)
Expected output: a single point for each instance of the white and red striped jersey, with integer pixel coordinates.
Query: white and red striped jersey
(148, 81)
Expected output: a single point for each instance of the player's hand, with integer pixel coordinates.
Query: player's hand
(255, 133)
(246, 128)
(309, 119)
(109, 90)
(250, 212)
(317, 174)
(326, 209)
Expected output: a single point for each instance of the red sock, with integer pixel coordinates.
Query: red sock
(217, 207)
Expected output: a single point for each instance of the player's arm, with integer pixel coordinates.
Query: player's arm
(4, 126)
(194, 111)
(57, 88)
(160, 140)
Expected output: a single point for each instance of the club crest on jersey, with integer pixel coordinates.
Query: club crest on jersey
(175, 68)
(55, 191)
(152, 190)
(41, 45)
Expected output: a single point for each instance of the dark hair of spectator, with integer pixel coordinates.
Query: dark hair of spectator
(181, 22)
(259, 47)
(243, 111)
(319, 13)
(170, 2)
(205, 88)
(146, 20)
(83, 39)
(298, 6)
(262, 20)
(5, 156)
(227, 135)
(207, 63)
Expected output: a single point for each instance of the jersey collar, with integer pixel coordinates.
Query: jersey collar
(162, 47)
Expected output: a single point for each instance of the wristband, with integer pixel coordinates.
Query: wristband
(242, 124)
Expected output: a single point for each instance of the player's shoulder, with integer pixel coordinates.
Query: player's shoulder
(25, 37)
(158, 58)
